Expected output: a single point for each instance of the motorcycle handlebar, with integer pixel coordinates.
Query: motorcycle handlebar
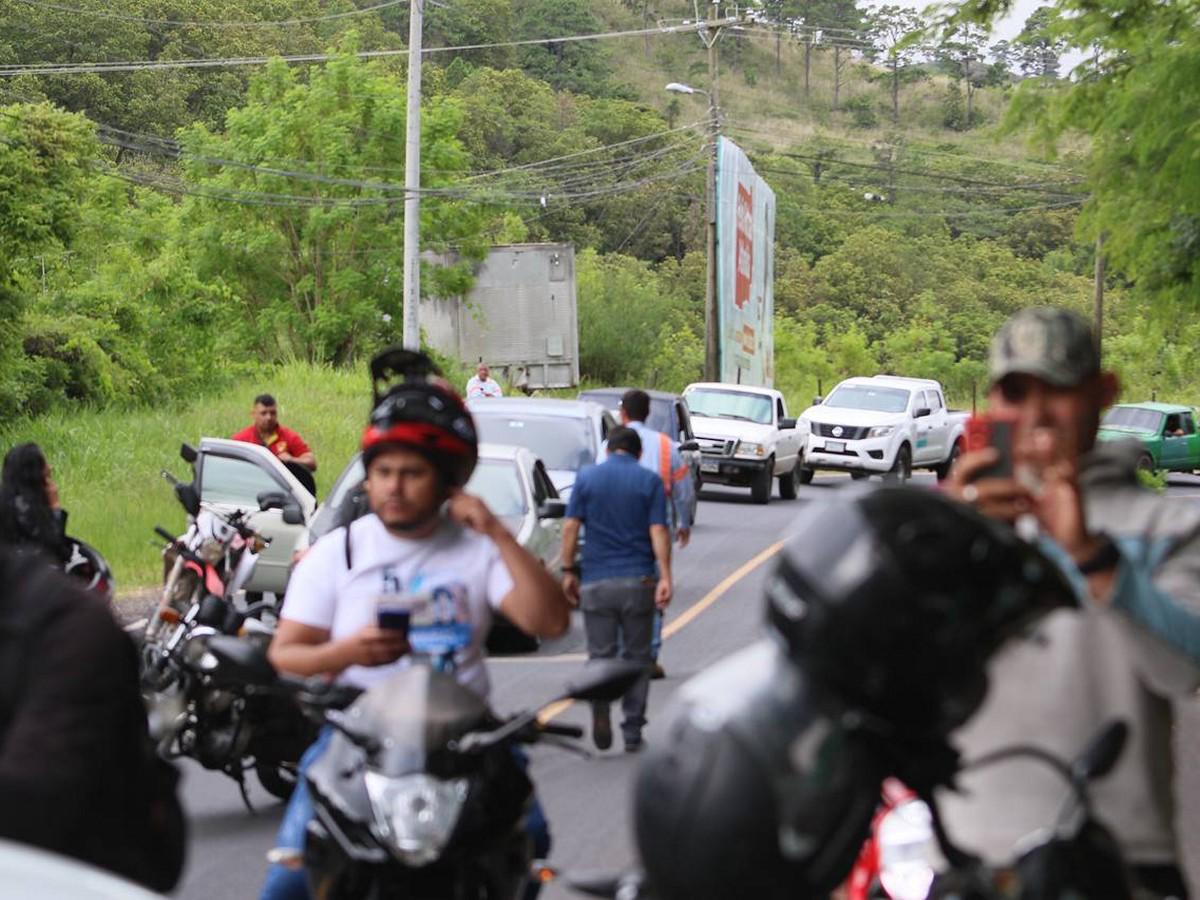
(164, 534)
(568, 731)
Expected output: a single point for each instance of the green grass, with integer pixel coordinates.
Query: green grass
(107, 463)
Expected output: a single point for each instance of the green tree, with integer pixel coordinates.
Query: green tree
(579, 66)
(46, 160)
(892, 31)
(317, 265)
(1040, 44)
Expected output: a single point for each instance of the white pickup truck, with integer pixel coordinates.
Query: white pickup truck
(747, 439)
(885, 425)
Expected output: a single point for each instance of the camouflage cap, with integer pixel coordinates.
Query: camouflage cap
(1051, 344)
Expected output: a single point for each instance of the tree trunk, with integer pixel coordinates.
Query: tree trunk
(778, 40)
(970, 102)
(807, 64)
(895, 90)
(646, 24)
(837, 75)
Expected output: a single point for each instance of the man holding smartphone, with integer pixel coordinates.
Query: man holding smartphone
(421, 573)
(1133, 644)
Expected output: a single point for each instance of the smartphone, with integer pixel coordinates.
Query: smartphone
(984, 431)
(392, 618)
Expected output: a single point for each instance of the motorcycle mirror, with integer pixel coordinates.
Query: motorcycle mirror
(189, 497)
(1102, 752)
(604, 681)
(241, 659)
(188, 453)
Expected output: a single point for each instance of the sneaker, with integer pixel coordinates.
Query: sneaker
(657, 673)
(633, 745)
(602, 735)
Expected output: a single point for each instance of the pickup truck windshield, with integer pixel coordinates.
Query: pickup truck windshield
(561, 442)
(1132, 417)
(730, 405)
(875, 399)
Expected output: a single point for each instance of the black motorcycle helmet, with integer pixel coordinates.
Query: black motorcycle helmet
(893, 600)
(757, 791)
(421, 412)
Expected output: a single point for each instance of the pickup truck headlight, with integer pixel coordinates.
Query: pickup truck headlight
(881, 431)
(746, 448)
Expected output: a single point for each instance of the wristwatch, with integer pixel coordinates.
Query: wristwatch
(1104, 558)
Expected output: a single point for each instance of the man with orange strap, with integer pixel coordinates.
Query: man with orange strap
(661, 456)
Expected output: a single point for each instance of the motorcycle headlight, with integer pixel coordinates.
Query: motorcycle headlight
(881, 431)
(908, 851)
(416, 813)
(746, 448)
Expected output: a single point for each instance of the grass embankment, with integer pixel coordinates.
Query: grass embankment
(107, 462)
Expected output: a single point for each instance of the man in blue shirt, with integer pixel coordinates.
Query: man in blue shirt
(626, 570)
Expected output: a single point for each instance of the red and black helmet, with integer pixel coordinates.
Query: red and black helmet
(421, 412)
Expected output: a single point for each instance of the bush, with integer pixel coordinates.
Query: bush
(862, 111)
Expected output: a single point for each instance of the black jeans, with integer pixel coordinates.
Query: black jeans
(618, 617)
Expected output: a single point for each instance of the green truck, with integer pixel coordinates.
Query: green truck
(1167, 433)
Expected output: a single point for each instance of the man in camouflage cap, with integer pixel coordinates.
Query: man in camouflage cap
(1132, 645)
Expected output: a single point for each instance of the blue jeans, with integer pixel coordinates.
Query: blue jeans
(655, 637)
(283, 883)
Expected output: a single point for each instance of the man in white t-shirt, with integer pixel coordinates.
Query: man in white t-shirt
(427, 550)
(482, 385)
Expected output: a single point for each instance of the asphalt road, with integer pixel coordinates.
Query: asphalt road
(718, 609)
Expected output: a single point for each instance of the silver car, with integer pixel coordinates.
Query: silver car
(565, 434)
(230, 475)
(511, 480)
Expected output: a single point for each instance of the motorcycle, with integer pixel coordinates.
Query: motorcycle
(911, 857)
(420, 793)
(217, 723)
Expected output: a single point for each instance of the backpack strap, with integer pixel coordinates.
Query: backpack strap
(346, 545)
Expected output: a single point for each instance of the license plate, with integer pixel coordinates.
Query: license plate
(710, 467)
(835, 446)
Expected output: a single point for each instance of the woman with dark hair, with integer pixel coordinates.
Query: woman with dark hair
(30, 515)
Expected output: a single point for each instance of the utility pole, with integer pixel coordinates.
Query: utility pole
(712, 318)
(1098, 295)
(412, 183)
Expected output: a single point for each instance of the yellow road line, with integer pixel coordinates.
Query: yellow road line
(687, 617)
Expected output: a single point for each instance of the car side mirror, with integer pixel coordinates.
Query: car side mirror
(292, 513)
(690, 447)
(272, 500)
(189, 498)
(922, 413)
(818, 400)
(188, 453)
(553, 508)
(787, 423)
(604, 681)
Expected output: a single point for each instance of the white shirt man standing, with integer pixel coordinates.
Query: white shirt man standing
(482, 385)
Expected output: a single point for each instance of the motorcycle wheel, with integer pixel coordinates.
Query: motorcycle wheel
(277, 779)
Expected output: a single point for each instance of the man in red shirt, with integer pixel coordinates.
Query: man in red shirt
(288, 446)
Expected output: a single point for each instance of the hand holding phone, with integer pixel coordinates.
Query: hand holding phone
(984, 431)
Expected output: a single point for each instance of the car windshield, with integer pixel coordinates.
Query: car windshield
(498, 483)
(560, 441)
(660, 407)
(875, 399)
(730, 405)
(1134, 417)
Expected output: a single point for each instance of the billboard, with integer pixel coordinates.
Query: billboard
(745, 270)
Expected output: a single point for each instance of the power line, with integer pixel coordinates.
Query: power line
(228, 62)
(980, 191)
(200, 23)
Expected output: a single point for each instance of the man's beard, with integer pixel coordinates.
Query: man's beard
(416, 523)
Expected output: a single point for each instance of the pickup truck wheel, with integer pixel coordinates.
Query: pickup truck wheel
(943, 471)
(902, 468)
(760, 487)
(859, 476)
(806, 475)
(1146, 462)
(789, 483)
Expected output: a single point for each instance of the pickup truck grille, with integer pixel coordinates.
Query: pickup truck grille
(716, 446)
(847, 432)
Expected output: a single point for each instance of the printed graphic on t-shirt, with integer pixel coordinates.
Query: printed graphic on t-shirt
(439, 611)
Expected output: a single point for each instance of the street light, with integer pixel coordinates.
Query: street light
(711, 372)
